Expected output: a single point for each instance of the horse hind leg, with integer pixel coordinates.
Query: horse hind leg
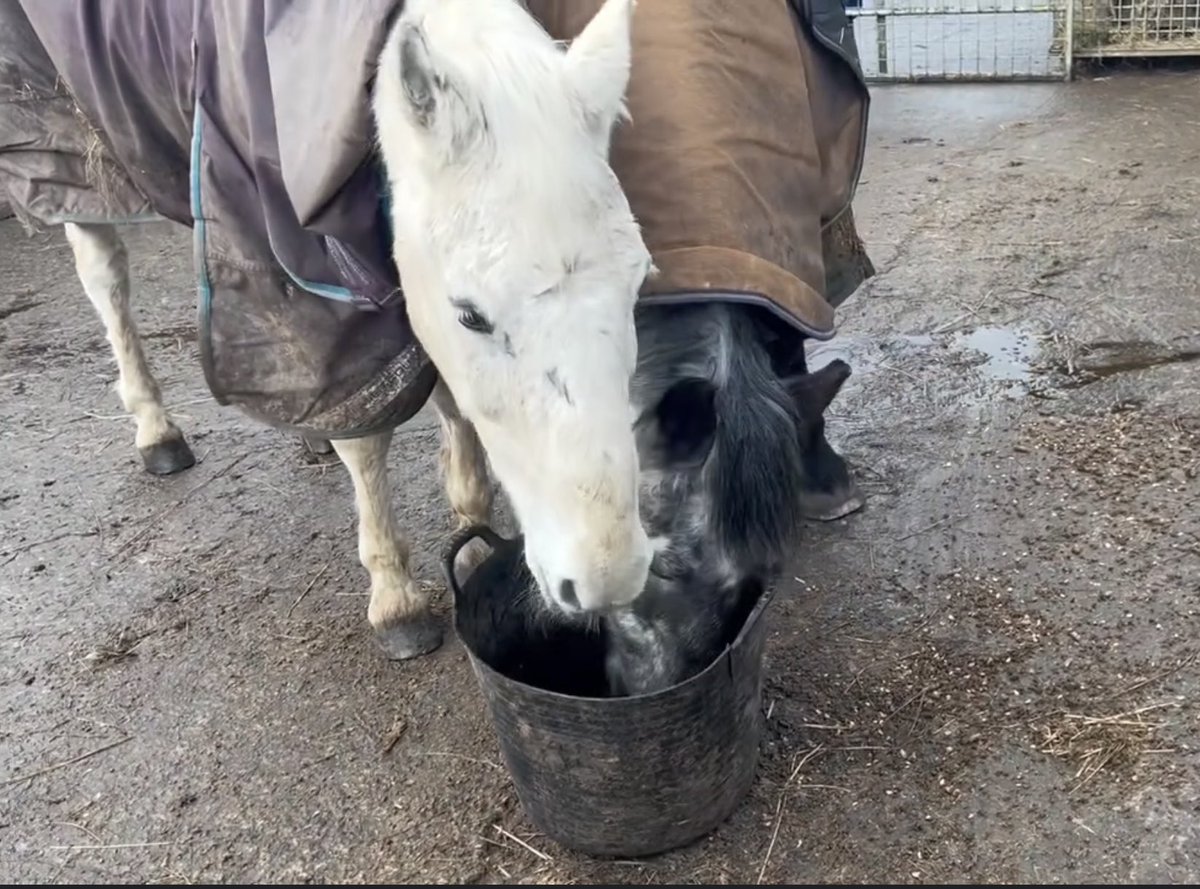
(102, 263)
(320, 447)
(465, 473)
(316, 451)
(398, 610)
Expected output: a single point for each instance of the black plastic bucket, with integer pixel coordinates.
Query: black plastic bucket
(611, 777)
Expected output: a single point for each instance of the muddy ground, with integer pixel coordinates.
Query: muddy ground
(988, 674)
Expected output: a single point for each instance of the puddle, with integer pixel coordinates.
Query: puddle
(969, 367)
(1010, 353)
(990, 361)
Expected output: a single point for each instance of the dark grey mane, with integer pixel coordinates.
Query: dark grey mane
(720, 438)
(717, 439)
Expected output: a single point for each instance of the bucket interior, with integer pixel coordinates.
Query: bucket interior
(499, 615)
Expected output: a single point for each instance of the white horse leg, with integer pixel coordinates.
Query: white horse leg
(398, 611)
(103, 268)
(465, 472)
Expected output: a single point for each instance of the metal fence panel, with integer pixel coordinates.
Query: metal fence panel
(1136, 28)
(914, 40)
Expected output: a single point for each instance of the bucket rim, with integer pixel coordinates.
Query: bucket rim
(496, 540)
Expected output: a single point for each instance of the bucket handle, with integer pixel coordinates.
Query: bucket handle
(460, 540)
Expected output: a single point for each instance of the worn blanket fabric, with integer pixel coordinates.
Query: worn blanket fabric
(249, 121)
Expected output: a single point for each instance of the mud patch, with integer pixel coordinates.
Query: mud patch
(1104, 359)
(18, 307)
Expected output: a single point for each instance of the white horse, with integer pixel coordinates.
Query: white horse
(521, 262)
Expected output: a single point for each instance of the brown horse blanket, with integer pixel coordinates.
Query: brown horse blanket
(249, 122)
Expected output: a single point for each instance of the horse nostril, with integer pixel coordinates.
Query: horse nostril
(566, 589)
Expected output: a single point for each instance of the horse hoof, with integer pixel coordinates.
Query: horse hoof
(829, 506)
(405, 639)
(167, 457)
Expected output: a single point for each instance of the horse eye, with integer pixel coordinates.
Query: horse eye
(472, 320)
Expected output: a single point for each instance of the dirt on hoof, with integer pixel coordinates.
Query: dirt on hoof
(167, 457)
(414, 638)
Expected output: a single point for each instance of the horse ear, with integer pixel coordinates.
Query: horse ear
(678, 432)
(598, 63)
(417, 77)
(439, 109)
(814, 392)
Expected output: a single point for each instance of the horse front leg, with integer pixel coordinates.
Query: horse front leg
(102, 264)
(465, 474)
(398, 610)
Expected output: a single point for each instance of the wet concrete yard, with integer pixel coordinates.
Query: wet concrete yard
(989, 674)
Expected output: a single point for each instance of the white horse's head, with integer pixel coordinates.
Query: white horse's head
(520, 262)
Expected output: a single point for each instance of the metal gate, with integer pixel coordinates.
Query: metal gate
(963, 40)
(1117, 28)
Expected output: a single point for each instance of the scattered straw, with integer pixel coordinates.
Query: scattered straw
(308, 589)
(1095, 744)
(923, 530)
(1157, 677)
(779, 808)
(520, 842)
(462, 756)
(99, 169)
(88, 831)
(149, 524)
(60, 765)
(399, 727)
(918, 695)
(53, 538)
(118, 649)
(109, 846)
